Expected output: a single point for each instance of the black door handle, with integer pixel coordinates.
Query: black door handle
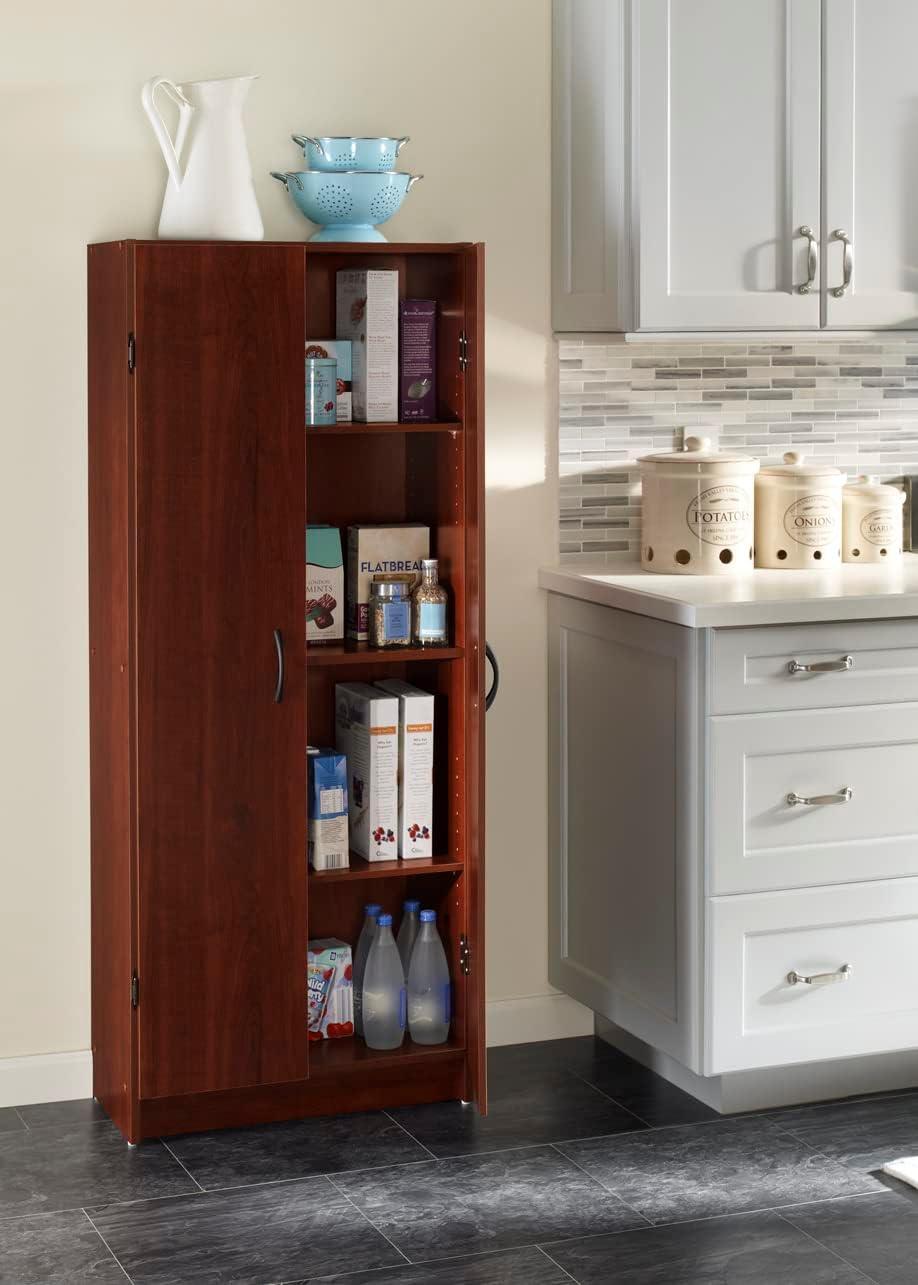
(279, 648)
(495, 677)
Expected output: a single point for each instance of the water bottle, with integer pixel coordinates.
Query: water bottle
(428, 985)
(383, 991)
(364, 941)
(407, 933)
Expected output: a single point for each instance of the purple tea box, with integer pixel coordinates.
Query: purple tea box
(417, 362)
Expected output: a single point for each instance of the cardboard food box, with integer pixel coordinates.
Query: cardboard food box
(330, 989)
(324, 584)
(367, 315)
(366, 732)
(340, 351)
(415, 767)
(377, 551)
(417, 360)
(326, 773)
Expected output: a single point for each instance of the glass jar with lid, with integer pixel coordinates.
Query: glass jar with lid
(429, 626)
(389, 614)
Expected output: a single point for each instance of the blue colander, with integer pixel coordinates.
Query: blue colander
(346, 153)
(347, 205)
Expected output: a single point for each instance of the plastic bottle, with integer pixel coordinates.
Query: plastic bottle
(407, 932)
(428, 985)
(383, 991)
(364, 941)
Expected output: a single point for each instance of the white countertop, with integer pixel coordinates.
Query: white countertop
(761, 597)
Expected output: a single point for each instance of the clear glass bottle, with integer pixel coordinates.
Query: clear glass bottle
(389, 614)
(429, 626)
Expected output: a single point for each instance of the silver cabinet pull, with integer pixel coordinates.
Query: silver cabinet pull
(812, 258)
(820, 979)
(821, 666)
(844, 795)
(847, 262)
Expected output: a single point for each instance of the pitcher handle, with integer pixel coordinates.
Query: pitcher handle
(170, 149)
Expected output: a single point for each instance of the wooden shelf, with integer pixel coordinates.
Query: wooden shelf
(361, 653)
(352, 429)
(360, 869)
(338, 1057)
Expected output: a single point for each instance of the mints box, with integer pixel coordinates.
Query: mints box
(415, 767)
(417, 360)
(330, 989)
(367, 315)
(324, 584)
(374, 552)
(340, 351)
(366, 731)
(327, 809)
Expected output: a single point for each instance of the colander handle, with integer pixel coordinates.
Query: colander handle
(400, 143)
(285, 179)
(415, 178)
(301, 140)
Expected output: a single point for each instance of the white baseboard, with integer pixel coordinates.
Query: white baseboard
(45, 1077)
(536, 1017)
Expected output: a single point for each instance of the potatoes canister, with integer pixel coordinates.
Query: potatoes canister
(697, 511)
(871, 521)
(798, 515)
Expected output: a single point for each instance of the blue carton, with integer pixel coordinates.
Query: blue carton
(327, 809)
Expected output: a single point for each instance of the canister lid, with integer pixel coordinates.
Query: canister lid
(795, 466)
(388, 589)
(697, 455)
(868, 487)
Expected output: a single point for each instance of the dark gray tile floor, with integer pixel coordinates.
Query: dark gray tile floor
(588, 1169)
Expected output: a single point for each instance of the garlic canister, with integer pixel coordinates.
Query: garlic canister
(798, 515)
(697, 510)
(871, 521)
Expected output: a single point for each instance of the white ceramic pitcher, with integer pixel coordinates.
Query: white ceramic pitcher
(209, 192)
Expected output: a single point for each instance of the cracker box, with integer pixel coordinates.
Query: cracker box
(326, 773)
(367, 315)
(330, 989)
(366, 732)
(324, 585)
(417, 360)
(340, 351)
(415, 767)
(378, 551)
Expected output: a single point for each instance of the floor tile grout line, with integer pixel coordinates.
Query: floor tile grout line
(88, 1218)
(164, 1143)
(26, 1125)
(399, 1125)
(554, 1262)
(608, 1190)
(368, 1219)
(822, 1245)
(609, 1098)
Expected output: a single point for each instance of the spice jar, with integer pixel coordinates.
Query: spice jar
(321, 390)
(428, 608)
(871, 521)
(389, 614)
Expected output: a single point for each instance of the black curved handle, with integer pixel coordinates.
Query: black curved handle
(495, 676)
(279, 648)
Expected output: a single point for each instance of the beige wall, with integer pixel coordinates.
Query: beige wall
(470, 83)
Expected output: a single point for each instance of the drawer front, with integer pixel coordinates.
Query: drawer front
(750, 667)
(857, 767)
(757, 1017)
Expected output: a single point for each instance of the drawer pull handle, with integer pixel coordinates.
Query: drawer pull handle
(821, 666)
(843, 795)
(820, 979)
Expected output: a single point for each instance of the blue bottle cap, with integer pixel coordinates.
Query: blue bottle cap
(371, 908)
(411, 905)
(428, 917)
(385, 921)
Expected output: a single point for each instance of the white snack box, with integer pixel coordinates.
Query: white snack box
(415, 767)
(366, 731)
(367, 315)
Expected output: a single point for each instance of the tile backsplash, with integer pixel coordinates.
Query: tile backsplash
(852, 402)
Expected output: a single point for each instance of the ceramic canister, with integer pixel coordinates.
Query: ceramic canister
(697, 511)
(798, 515)
(871, 521)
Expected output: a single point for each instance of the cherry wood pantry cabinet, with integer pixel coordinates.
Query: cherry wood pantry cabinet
(204, 695)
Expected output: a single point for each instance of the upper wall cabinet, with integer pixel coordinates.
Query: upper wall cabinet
(687, 143)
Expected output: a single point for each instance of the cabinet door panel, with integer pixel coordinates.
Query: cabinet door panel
(220, 518)
(727, 162)
(871, 159)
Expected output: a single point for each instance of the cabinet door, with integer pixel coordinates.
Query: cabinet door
(871, 163)
(727, 162)
(220, 525)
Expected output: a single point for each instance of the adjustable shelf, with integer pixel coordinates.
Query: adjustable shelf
(361, 653)
(360, 869)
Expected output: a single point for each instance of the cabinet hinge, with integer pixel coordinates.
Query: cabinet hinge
(135, 990)
(463, 350)
(132, 354)
(465, 956)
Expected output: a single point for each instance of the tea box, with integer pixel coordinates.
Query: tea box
(417, 360)
(339, 350)
(367, 315)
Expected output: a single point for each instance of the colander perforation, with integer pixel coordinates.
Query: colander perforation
(335, 200)
(385, 203)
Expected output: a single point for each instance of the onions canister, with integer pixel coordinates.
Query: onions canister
(798, 515)
(697, 511)
(871, 521)
(321, 390)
